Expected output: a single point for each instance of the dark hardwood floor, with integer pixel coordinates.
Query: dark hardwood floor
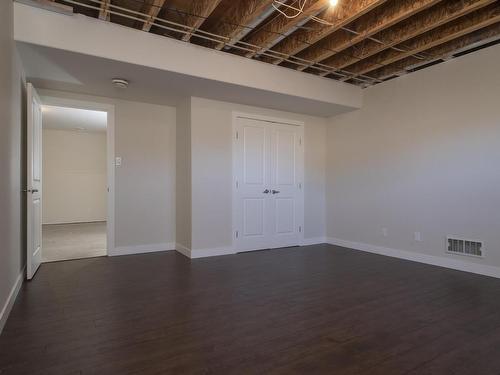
(310, 310)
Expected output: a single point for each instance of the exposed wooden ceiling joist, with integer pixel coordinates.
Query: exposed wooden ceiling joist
(198, 11)
(474, 21)
(439, 52)
(236, 17)
(312, 31)
(267, 34)
(152, 9)
(379, 19)
(343, 14)
(401, 32)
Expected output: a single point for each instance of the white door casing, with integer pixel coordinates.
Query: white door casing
(34, 182)
(267, 183)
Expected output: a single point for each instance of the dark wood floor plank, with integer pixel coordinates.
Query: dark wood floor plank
(311, 310)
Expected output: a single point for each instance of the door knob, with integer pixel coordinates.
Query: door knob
(275, 191)
(266, 191)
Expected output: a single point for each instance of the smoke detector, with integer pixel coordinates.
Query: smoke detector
(120, 83)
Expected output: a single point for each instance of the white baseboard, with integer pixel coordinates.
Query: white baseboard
(443, 261)
(183, 250)
(76, 222)
(313, 241)
(7, 307)
(203, 253)
(140, 249)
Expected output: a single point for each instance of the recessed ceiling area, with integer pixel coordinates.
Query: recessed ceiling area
(64, 118)
(362, 42)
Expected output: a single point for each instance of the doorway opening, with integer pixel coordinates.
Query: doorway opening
(70, 178)
(74, 183)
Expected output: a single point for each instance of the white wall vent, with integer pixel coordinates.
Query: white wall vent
(464, 247)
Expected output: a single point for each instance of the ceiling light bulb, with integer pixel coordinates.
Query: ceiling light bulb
(333, 2)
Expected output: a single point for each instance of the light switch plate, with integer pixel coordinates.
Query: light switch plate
(118, 161)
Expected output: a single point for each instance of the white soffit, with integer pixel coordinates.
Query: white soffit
(186, 69)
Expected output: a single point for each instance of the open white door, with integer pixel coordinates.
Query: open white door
(34, 182)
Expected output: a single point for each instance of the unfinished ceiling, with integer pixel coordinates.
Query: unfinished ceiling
(363, 42)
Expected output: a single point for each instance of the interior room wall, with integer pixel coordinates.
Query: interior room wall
(183, 175)
(211, 164)
(12, 161)
(423, 155)
(145, 181)
(74, 176)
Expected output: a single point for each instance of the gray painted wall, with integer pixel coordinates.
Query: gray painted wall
(183, 174)
(12, 133)
(74, 176)
(145, 182)
(211, 164)
(423, 155)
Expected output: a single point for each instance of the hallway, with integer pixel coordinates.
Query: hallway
(73, 241)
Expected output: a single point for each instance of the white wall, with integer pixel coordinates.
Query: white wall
(422, 155)
(183, 174)
(12, 181)
(145, 182)
(211, 163)
(74, 176)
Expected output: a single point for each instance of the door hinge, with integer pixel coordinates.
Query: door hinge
(237, 135)
(300, 229)
(237, 184)
(300, 141)
(300, 185)
(236, 234)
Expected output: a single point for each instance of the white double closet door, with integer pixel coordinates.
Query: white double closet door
(268, 200)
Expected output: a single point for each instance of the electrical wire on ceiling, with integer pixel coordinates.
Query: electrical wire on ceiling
(298, 11)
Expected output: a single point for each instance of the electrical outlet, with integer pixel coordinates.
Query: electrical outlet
(118, 161)
(418, 237)
(384, 232)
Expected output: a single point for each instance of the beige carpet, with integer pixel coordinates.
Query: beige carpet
(73, 241)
